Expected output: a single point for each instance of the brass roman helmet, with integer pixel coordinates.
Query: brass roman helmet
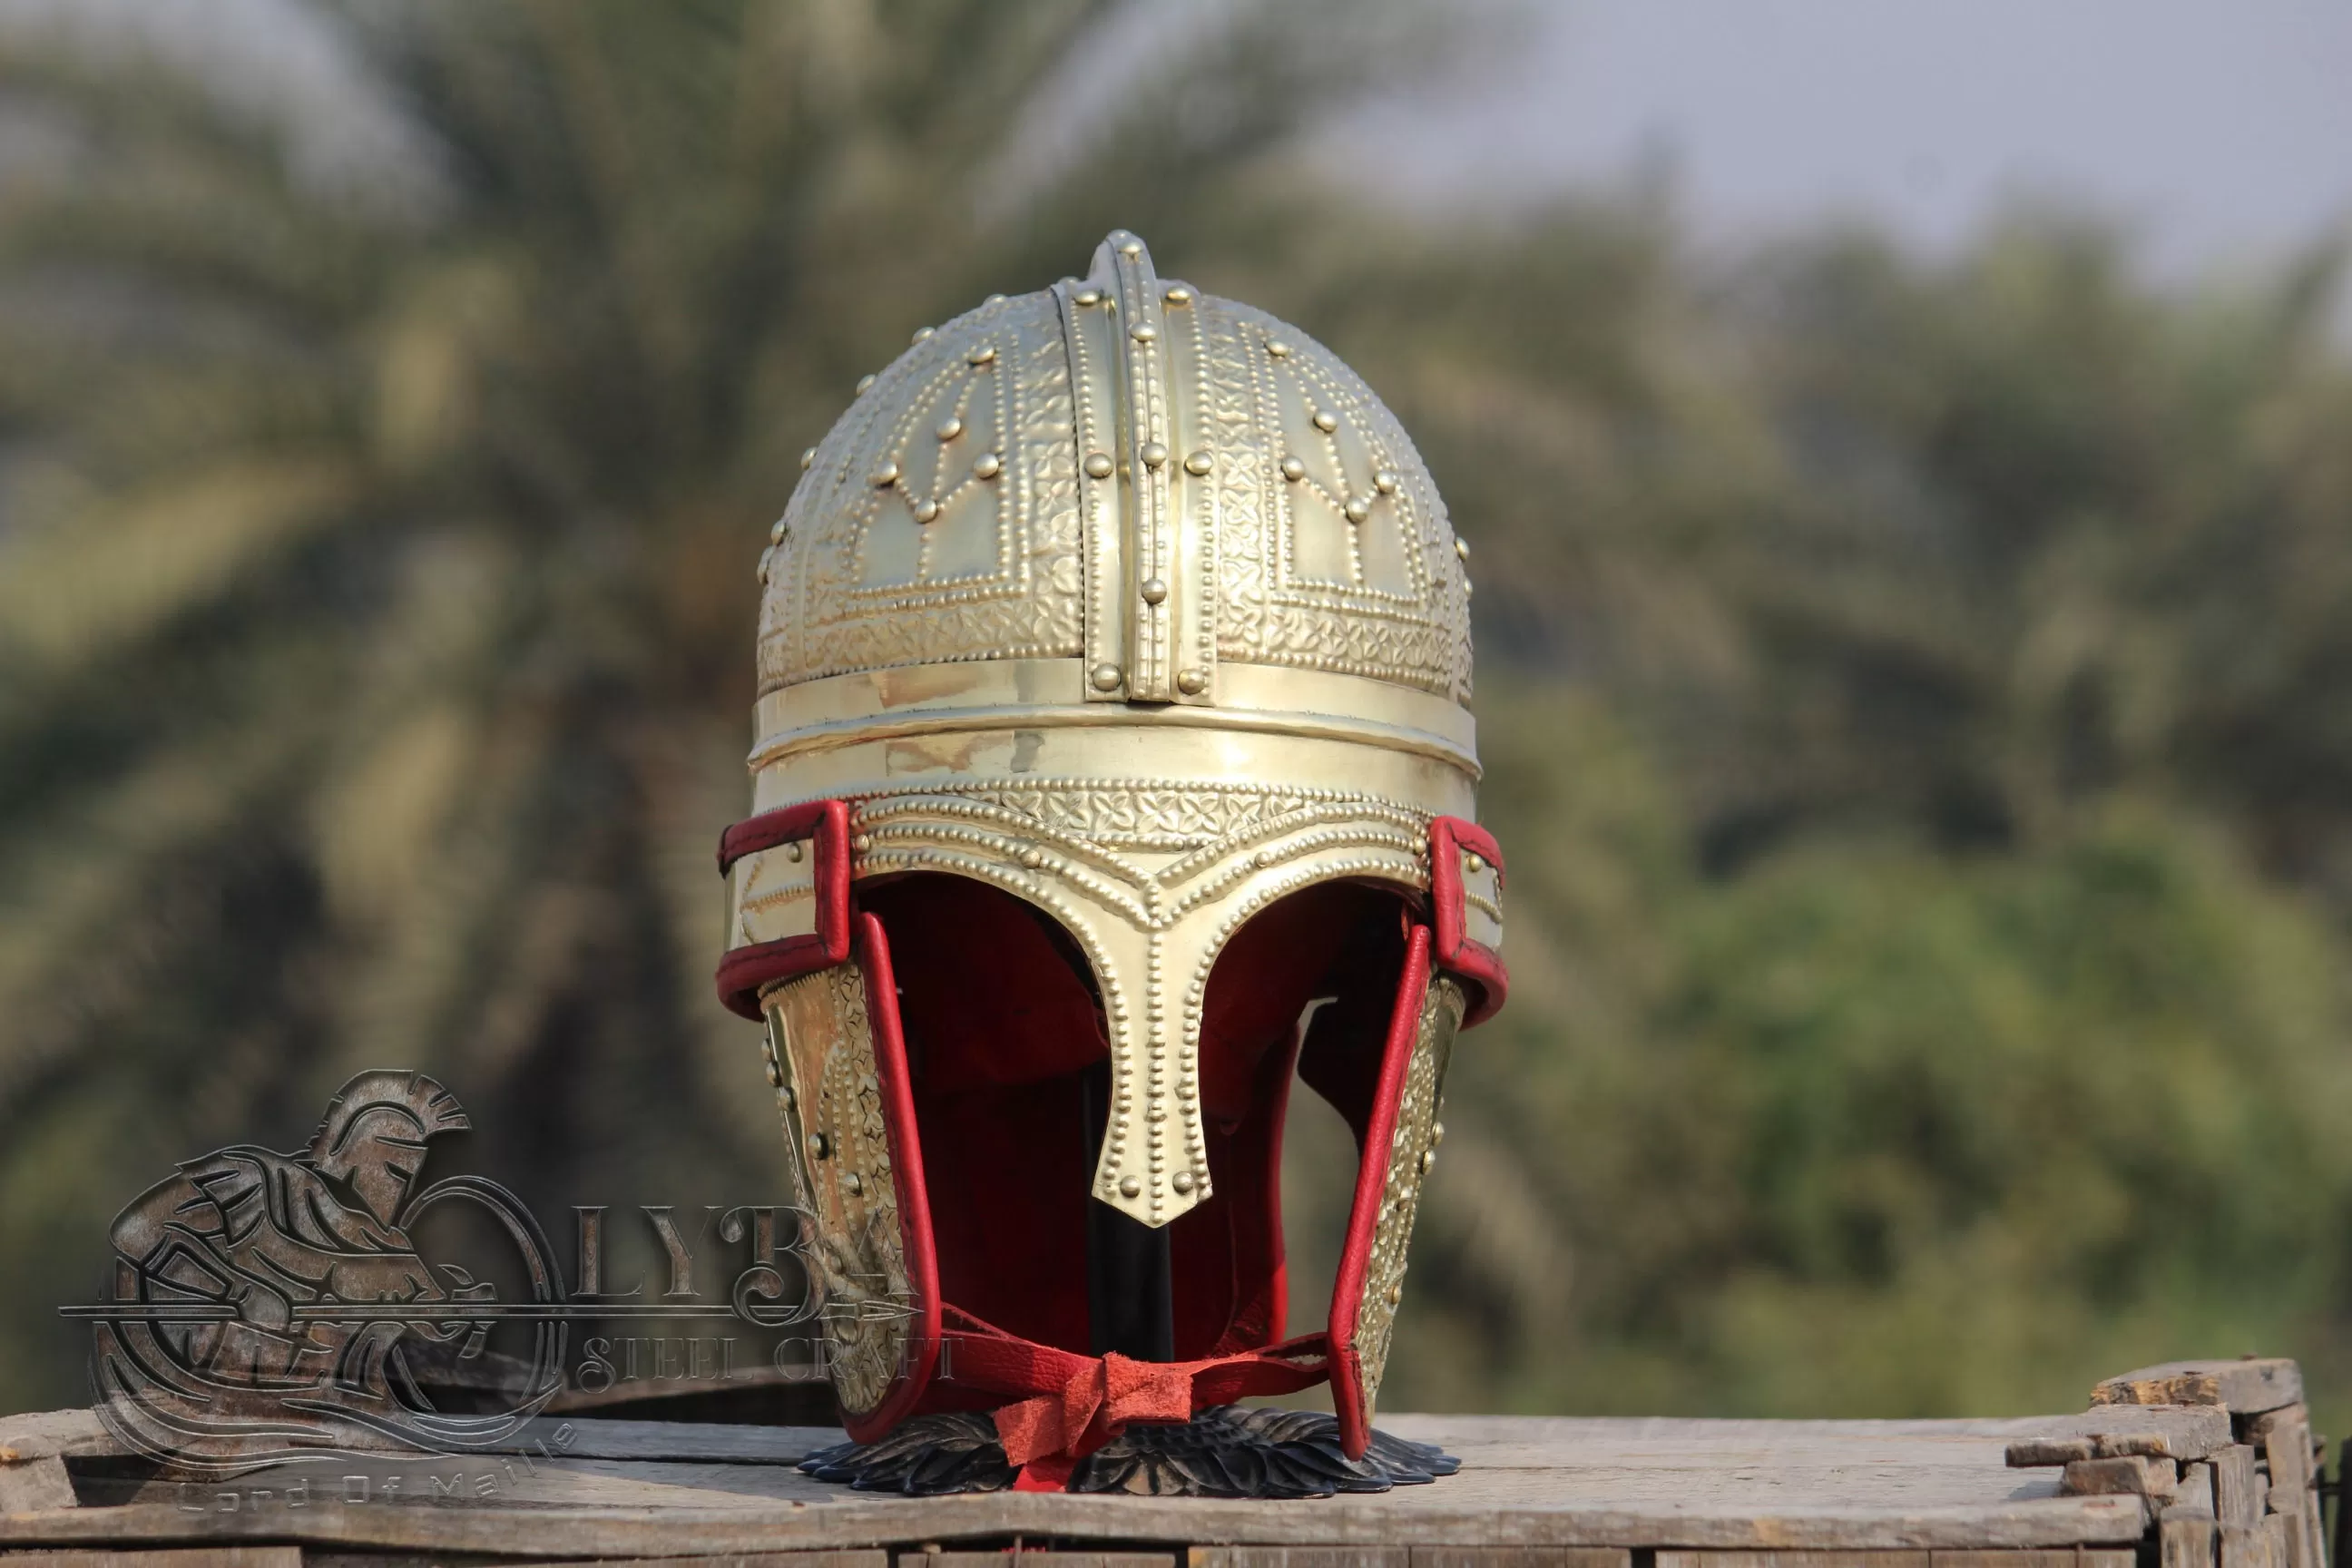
(1114, 766)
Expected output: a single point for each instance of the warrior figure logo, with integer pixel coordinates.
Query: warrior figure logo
(267, 1306)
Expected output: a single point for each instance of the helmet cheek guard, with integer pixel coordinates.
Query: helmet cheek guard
(1117, 773)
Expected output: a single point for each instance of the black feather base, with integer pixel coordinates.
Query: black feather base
(1226, 1452)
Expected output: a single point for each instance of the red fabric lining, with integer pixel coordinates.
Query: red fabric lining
(1231, 1285)
(1000, 1024)
(1454, 952)
(1341, 1058)
(1002, 1021)
(1372, 1180)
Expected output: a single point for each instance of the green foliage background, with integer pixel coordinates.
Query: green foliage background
(1912, 693)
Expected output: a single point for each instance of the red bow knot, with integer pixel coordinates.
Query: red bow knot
(1094, 1406)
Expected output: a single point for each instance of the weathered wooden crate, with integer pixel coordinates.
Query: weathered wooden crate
(2128, 1484)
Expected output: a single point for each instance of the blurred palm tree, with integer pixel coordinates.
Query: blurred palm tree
(2043, 532)
(376, 589)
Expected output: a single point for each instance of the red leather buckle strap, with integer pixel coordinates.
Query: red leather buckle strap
(824, 825)
(1453, 950)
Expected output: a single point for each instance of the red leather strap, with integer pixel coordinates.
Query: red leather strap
(1078, 1403)
(744, 972)
(1371, 1190)
(1454, 952)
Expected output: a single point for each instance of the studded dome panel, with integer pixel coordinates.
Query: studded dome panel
(1126, 471)
(940, 518)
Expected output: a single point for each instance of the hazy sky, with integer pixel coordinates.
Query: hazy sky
(2221, 128)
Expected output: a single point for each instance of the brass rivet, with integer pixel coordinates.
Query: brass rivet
(885, 477)
(1396, 1294)
(1191, 682)
(1177, 295)
(1154, 590)
(865, 384)
(1089, 296)
(775, 1072)
(1428, 1159)
(1473, 862)
(1143, 332)
(1385, 482)
(1098, 466)
(853, 1182)
(1031, 857)
(819, 1146)
(993, 300)
(1132, 248)
(1200, 463)
(1467, 589)
(1293, 470)
(922, 332)
(1153, 454)
(1130, 1187)
(1106, 678)
(949, 428)
(1461, 550)
(1436, 1133)
(791, 1097)
(1183, 1181)
(777, 530)
(926, 510)
(793, 852)
(1276, 347)
(979, 356)
(1265, 857)
(987, 465)
(808, 457)
(1326, 421)
(1358, 509)
(862, 843)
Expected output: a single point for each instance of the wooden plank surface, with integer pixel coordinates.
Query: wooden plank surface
(2068, 1557)
(181, 1557)
(2244, 1387)
(844, 1557)
(1436, 1516)
(28, 1484)
(1409, 1557)
(1299, 1557)
(590, 1439)
(2186, 1540)
(2192, 1432)
(630, 1488)
(45, 1432)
